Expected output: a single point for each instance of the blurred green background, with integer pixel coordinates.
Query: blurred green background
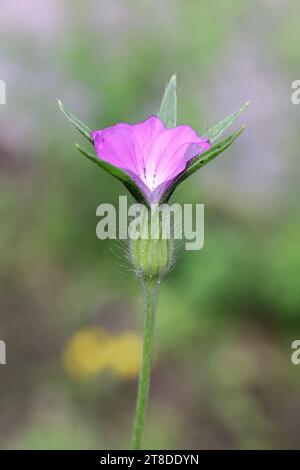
(70, 311)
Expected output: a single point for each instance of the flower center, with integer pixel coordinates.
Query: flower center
(150, 179)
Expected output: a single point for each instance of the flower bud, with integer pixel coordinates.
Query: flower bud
(151, 252)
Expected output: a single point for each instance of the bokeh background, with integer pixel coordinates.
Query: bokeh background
(70, 311)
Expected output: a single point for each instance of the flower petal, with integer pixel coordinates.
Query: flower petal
(143, 135)
(170, 152)
(127, 145)
(114, 145)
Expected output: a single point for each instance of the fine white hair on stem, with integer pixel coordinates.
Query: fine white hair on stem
(119, 251)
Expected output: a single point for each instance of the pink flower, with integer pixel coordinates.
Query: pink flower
(152, 155)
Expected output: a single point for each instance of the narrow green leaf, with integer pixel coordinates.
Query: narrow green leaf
(168, 107)
(216, 131)
(82, 128)
(202, 160)
(116, 173)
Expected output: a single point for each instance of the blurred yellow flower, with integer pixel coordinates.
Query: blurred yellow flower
(93, 350)
(87, 352)
(125, 358)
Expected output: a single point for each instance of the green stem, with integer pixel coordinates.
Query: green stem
(150, 290)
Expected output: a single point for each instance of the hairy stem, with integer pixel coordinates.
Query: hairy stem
(150, 293)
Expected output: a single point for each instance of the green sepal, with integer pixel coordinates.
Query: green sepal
(168, 107)
(80, 126)
(216, 131)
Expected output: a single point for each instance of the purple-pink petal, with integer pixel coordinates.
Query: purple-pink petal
(151, 154)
